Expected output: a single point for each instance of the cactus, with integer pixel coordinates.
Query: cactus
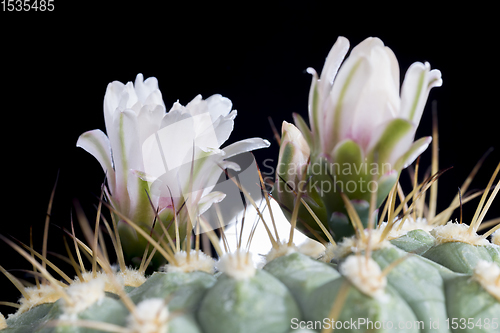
(412, 270)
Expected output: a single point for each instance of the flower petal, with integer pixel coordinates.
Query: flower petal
(391, 140)
(332, 64)
(124, 139)
(417, 148)
(147, 91)
(245, 146)
(379, 101)
(97, 143)
(218, 106)
(223, 127)
(349, 84)
(208, 200)
(419, 80)
(302, 126)
(314, 108)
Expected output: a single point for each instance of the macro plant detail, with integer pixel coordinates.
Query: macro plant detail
(361, 132)
(378, 260)
(157, 162)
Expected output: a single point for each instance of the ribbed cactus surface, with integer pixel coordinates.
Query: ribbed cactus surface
(388, 291)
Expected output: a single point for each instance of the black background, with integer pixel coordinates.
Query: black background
(55, 67)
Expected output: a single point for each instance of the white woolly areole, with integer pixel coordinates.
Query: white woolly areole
(312, 248)
(495, 238)
(82, 295)
(238, 265)
(46, 293)
(408, 224)
(456, 232)
(309, 247)
(329, 253)
(282, 250)
(3, 323)
(353, 245)
(488, 276)
(150, 316)
(198, 261)
(365, 274)
(130, 277)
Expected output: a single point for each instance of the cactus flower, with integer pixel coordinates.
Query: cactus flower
(146, 146)
(362, 129)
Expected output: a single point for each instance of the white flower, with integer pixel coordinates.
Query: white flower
(361, 101)
(361, 132)
(147, 149)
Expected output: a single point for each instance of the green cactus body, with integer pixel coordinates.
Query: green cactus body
(184, 290)
(361, 131)
(257, 304)
(301, 274)
(30, 320)
(421, 296)
(415, 241)
(419, 283)
(471, 309)
(361, 311)
(462, 257)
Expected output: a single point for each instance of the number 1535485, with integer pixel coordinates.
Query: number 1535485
(27, 5)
